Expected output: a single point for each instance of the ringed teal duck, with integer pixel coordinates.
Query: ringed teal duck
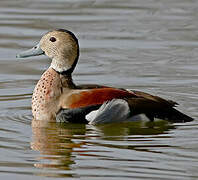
(56, 97)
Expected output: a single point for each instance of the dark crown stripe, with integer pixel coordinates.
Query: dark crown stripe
(69, 32)
(69, 71)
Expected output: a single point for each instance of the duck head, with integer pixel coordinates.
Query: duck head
(61, 46)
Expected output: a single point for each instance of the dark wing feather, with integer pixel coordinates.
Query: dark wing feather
(156, 98)
(76, 115)
(90, 86)
(154, 106)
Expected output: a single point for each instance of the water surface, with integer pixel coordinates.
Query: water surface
(149, 45)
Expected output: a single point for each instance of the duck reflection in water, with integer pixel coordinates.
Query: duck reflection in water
(55, 144)
(60, 144)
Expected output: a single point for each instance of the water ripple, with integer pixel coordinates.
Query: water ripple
(145, 45)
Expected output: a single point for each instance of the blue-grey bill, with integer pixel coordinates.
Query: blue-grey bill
(35, 51)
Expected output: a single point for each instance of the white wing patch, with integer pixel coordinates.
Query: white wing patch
(116, 110)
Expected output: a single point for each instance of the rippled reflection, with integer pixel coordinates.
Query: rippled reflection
(55, 144)
(145, 45)
(61, 145)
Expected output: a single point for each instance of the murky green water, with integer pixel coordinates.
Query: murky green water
(149, 45)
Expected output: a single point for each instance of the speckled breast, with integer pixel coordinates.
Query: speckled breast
(45, 99)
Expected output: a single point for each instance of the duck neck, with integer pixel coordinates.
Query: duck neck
(67, 82)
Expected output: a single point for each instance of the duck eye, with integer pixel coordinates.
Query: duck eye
(52, 39)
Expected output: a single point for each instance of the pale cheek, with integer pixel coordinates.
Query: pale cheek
(50, 55)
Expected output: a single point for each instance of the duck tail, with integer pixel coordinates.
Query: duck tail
(174, 116)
